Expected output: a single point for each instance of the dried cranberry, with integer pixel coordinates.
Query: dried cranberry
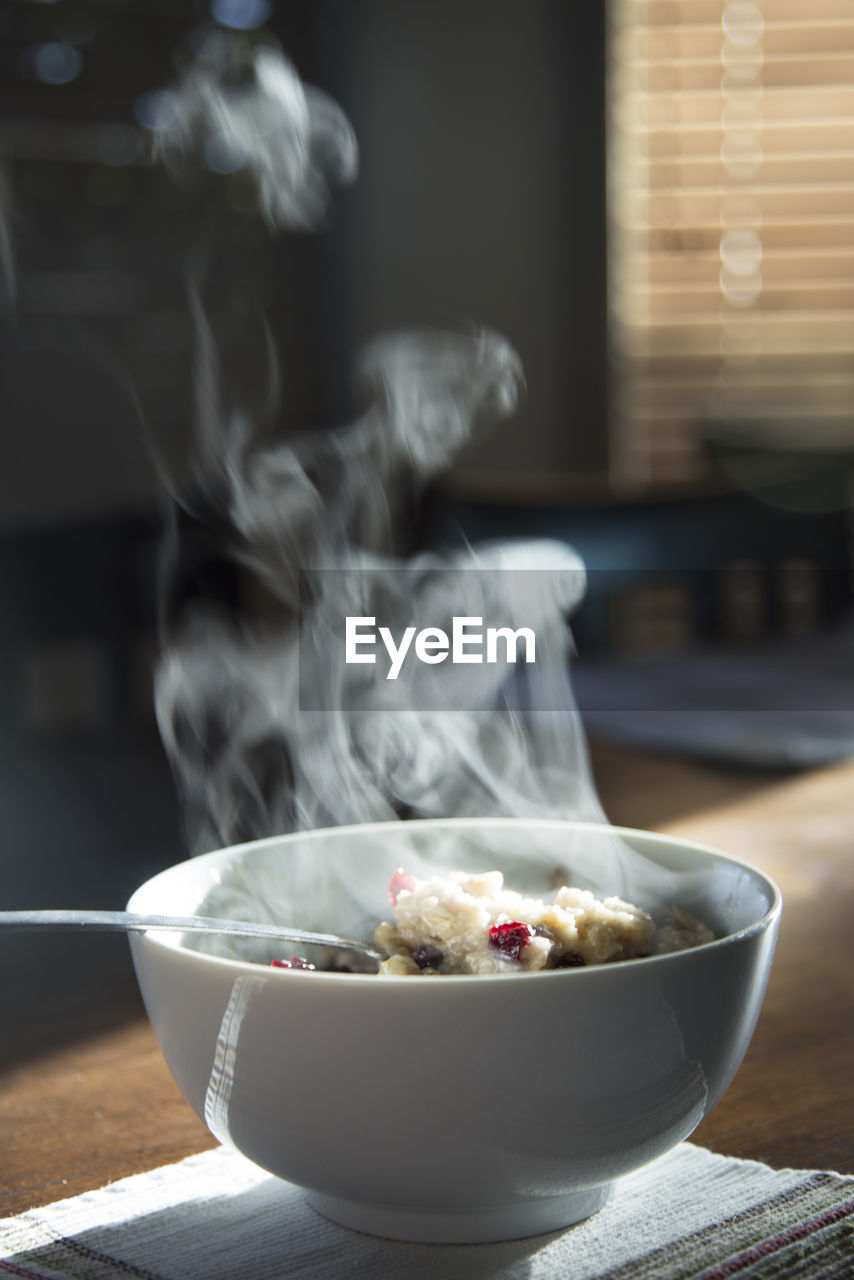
(511, 937)
(427, 956)
(295, 962)
(570, 960)
(399, 881)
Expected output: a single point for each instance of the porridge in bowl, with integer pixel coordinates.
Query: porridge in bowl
(472, 923)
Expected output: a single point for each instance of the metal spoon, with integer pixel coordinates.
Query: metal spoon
(127, 921)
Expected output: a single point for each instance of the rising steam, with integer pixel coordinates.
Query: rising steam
(267, 728)
(243, 106)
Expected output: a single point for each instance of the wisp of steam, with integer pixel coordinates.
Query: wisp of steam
(267, 727)
(244, 106)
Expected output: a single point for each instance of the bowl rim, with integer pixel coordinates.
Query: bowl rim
(164, 941)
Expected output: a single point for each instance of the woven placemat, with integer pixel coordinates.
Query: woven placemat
(689, 1214)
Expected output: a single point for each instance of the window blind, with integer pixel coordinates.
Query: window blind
(731, 206)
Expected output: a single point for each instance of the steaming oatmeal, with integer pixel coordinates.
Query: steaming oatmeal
(465, 923)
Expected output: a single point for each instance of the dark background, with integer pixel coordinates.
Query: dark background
(480, 200)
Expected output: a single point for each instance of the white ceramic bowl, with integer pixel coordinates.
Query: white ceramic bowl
(468, 1108)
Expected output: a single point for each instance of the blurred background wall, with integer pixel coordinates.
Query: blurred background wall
(480, 201)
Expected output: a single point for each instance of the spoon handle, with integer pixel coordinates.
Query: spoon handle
(127, 921)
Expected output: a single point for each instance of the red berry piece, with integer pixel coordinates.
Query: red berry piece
(400, 880)
(511, 937)
(295, 962)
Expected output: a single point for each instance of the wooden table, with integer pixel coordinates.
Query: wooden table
(90, 1100)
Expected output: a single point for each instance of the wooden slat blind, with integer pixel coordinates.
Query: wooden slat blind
(731, 195)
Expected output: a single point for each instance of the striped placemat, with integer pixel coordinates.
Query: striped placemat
(691, 1215)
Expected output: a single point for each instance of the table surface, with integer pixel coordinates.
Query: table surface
(88, 1098)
